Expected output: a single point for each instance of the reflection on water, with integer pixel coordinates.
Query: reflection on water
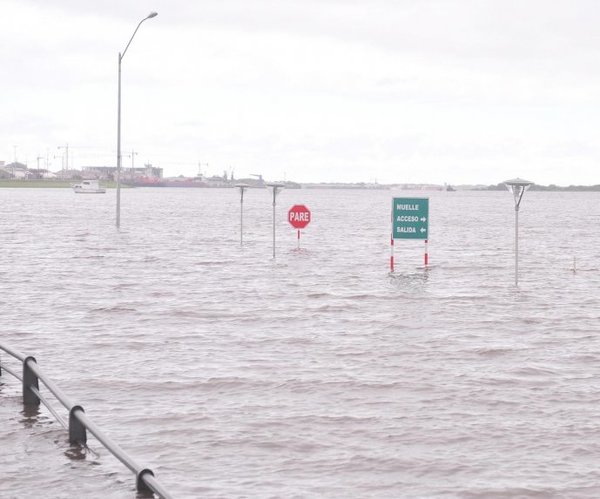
(318, 375)
(409, 280)
(77, 452)
(30, 415)
(144, 495)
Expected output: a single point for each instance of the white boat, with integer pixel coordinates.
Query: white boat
(88, 187)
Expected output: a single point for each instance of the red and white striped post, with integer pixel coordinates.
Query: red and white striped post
(392, 253)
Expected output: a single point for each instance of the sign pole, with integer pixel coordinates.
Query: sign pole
(298, 238)
(392, 254)
(426, 253)
(392, 237)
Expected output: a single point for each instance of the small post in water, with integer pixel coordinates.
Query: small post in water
(30, 379)
(77, 431)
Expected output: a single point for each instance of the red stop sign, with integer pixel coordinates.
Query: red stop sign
(299, 216)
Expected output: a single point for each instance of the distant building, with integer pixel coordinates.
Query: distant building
(127, 174)
(16, 170)
(41, 173)
(68, 174)
(151, 171)
(98, 172)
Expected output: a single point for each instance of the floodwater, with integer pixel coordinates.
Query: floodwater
(316, 374)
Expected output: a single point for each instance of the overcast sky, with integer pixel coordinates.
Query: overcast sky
(457, 91)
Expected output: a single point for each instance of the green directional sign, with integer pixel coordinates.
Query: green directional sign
(410, 218)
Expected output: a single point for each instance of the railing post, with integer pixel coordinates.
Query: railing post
(140, 485)
(77, 433)
(30, 379)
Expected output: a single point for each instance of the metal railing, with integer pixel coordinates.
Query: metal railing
(78, 423)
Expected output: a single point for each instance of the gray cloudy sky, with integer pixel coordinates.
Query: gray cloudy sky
(457, 91)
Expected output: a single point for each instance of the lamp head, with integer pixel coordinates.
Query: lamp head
(276, 186)
(151, 15)
(517, 186)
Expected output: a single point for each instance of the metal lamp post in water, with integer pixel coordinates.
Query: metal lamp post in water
(242, 188)
(118, 179)
(276, 188)
(517, 186)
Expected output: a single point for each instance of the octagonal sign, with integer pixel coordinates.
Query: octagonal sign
(299, 216)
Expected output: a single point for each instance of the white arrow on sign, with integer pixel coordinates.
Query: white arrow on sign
(423, 219)
(423, 230)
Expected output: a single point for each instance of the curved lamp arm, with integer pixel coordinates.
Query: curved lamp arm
(149, 16)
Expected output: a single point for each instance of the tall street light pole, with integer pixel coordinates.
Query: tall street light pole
(517, 186)
(121, 55)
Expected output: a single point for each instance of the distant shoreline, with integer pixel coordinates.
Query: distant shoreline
(549, 188)
(63, 184)
(47, 184)
(36, 183)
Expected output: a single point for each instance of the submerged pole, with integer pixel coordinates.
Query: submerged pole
(518, 187)
(516, 245)
(274, 196)
(276, 188)
(242, 188)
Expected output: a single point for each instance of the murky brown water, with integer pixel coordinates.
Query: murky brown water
(317, 375)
